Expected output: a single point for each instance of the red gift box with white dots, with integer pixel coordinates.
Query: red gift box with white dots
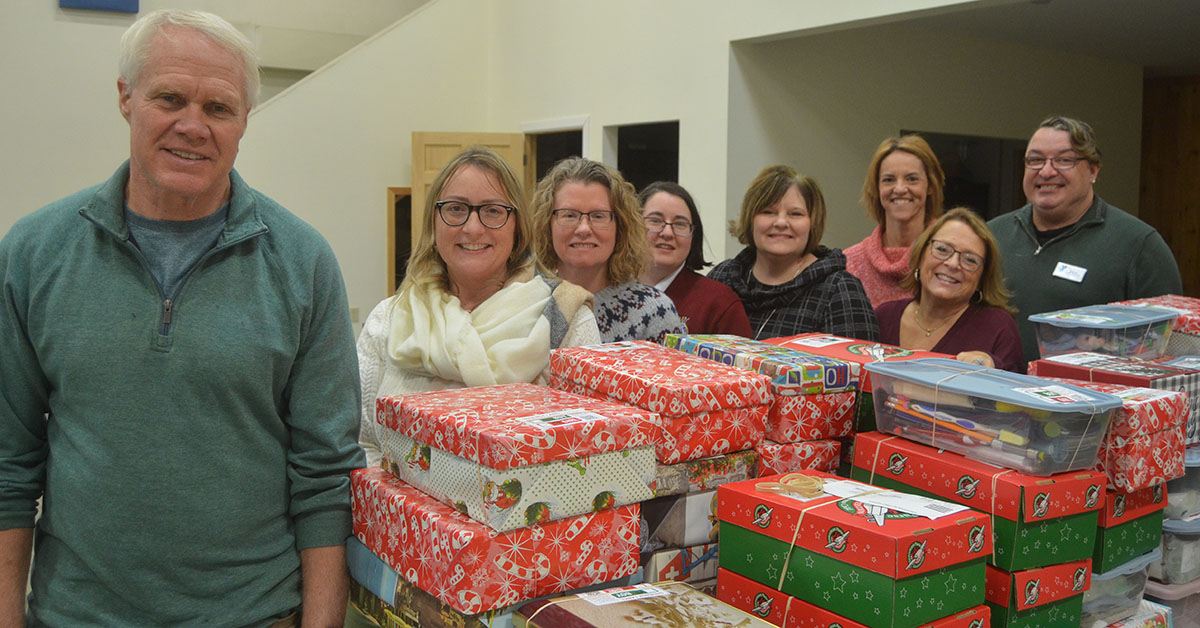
(474, 569)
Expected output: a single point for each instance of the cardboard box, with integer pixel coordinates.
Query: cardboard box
(1130, 525)
(694, 564)
(707, 408)
(856, 556)
(1038, 521)
(659, 604)
(513, 455)
(859, 353)
(1038, 598)
(705, 473)
(786, 611)
(1107, 369)
(796, 372)
(679, 521)
(475, 569)
(775, 458)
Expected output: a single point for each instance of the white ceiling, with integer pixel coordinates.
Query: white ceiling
(1161, 35)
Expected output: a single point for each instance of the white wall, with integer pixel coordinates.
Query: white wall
(823, 103)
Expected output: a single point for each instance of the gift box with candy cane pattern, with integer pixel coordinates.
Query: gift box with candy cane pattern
(514, 455)
(475, 569)
(707, 408)
(1040, 597)
(773, 458)
(878, 557)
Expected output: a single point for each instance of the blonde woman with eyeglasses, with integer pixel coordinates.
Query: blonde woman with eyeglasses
(959, 304)
(588, 230)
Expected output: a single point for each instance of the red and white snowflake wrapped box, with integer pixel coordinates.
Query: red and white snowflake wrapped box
(474, 569)
(1144, 445)
(513, 455)
(1185, 330)
(795, 418)
(773, 458)
(707, 408)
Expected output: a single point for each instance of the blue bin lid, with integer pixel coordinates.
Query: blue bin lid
(1182, 526)
(1105, 316)
(1130, 567)
(973, 380)
(1191, 456)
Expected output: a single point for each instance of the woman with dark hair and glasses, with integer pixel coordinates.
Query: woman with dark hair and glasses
(959, 304)
(676, 239)
(471, 310)
(588, 230)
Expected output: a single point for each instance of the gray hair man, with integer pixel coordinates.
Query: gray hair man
(179, 378)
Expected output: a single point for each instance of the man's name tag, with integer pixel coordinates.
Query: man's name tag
(1069, 272)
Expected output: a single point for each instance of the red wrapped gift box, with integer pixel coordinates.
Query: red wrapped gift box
(794, 418)
(474, 569)
(774, 458)
(1144, 444)
(504, 426)
(707, 408)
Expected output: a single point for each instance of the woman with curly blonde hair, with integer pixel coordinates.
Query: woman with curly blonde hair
(588, 230)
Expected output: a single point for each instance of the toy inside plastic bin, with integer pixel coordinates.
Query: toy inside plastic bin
(1183, 600)
(1123, 330)
(1024, 423)
(1116, 594)
(1183, 494)
(1180, 562)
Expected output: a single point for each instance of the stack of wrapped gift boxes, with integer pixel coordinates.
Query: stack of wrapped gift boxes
(493, 496)
(1013, 446)
(713, 418)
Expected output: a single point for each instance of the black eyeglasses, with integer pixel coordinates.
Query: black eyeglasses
(681, 228)
(457, 213)
(599, 219)
(1061, 164)
(970, 262)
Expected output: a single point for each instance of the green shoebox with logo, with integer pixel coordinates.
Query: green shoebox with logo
(1039, 521)
(1130, 526)
(846, 549)
(1043, 597)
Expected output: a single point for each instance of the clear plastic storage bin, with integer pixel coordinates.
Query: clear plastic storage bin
(1024, 423)
(1123, 330)
(1116, 594)
(1180, 562)
(1182, 599)
(1183, 494)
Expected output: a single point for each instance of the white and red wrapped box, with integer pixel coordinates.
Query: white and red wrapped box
(707, 408)
(1144, 443)
(775, 458)
(512, 455)
(795, 418)
(473, 569)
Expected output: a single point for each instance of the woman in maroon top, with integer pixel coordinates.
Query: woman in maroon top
(677, 249)
(959, 304)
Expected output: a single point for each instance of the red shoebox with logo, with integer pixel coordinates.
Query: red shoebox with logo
(1038, 598)
(1131, 525)
(707, 408)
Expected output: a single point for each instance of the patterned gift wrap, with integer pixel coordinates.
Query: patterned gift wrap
(795, 371)
(795, 418)
(1130, 525)
(707, 408)
(1038, 521)
(474, 569)
(1107, 369)
(1144, 444)
(786, 611)
(1038, 598)
(706, 473)
(774, 458)
(859, 557)
(679, 521)
(535, 454)
(1185, 334)
(378, 592)
(690, 564)
(660, 604)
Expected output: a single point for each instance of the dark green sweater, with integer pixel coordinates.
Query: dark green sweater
(192, 449)
(1124, 257)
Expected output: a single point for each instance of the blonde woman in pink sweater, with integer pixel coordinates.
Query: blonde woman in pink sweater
(903, 193)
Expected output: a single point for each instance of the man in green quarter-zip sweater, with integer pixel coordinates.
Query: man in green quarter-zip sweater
(178, 380)
(1068, 248)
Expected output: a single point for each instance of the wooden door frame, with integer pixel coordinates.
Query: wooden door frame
(393, 193)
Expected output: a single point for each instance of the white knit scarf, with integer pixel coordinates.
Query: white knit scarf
(503, 340)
